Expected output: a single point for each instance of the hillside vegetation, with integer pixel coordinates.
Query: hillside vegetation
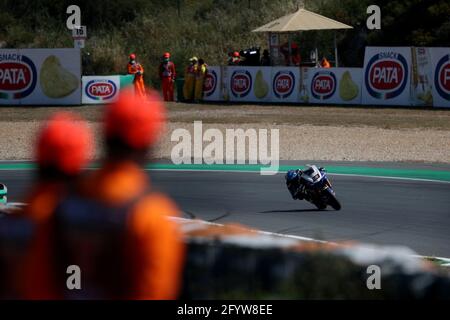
(211, 28)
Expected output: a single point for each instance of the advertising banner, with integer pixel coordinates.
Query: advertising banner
(285, 84)
(392, 76)
(249, 84)
(386, 78)
(333, 85)
(212, 85)
(440, 58)
(40, 76)
(100, 89)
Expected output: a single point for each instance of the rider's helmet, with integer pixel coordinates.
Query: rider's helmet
(291, 175)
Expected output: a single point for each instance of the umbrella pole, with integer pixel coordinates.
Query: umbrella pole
(289, 48)
(335, 52)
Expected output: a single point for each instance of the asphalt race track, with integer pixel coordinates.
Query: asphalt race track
(375, 210)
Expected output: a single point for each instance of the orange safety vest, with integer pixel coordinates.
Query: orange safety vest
(326, 63)
(134, 69)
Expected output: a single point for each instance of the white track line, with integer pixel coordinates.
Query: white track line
(331, 174)
(249, 171)
(291, 236)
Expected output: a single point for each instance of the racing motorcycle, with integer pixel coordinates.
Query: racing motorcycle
(313, 185)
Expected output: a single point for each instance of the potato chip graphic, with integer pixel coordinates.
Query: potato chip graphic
(348, 90)
(56, 82)
(261, 87)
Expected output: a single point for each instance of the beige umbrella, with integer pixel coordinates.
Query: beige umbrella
(303, 20)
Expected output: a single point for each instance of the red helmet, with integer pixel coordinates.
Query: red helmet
(166, 55)
(137, 121)
(65, 143)
(132, 56)
(236, 54)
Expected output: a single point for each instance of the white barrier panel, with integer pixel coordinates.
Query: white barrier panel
(402, 76)
(40, 76)
(100, 89)
(421, 89)
(249, 84)
(387, 76)
(285, 84)
(440, 58)
(333, 85)
(212, 85)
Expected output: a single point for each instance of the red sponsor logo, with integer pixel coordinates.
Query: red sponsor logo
(14, 76)
(323, 84)
(386, 75)
(444, 77)
(101, 89)
(241, 83)
(283, 84)
(209, 83)
(209, 86)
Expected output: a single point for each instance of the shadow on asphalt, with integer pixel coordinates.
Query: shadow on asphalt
(294, 210)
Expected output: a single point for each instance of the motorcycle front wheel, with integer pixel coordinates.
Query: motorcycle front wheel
(332, 200)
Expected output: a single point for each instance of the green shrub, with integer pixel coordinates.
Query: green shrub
(210, 28)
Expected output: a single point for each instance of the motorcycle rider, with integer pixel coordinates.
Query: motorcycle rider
(297, 184)
(294, 184)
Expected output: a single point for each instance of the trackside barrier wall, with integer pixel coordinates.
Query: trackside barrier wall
(403, 76)
(440, 76)
(332, 85)
(394, 76)
(40, 76)
(387, 76)
(286, 84)
(407, 76)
